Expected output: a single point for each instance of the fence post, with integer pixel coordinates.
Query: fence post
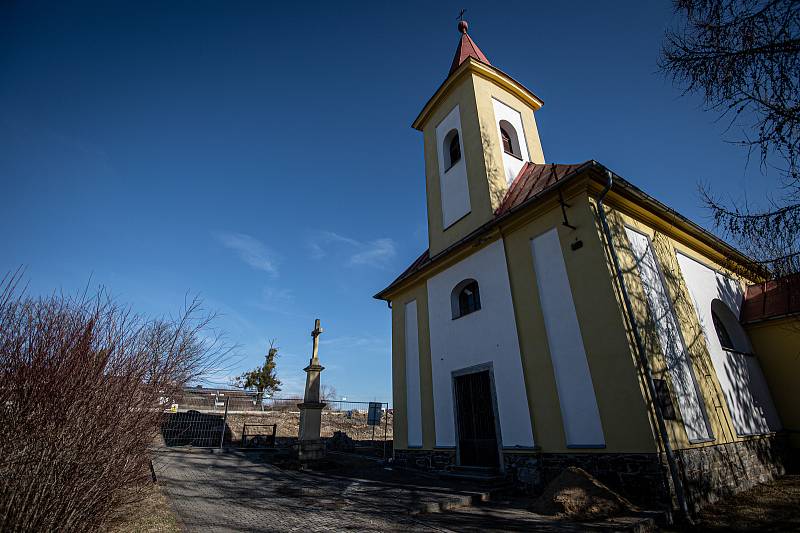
(224, 422)
(385, 428)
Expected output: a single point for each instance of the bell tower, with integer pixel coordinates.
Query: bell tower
(479, 131)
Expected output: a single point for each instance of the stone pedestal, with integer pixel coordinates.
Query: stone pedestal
(309, 451)
(310, 420)
(310, 447)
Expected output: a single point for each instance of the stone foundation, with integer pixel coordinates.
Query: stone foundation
(709, 472)
(638, 476)
(712, 472)
(425, 459)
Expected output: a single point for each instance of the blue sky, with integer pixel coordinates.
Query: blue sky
(260, 154)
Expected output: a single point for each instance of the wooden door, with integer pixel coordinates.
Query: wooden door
(477, 433)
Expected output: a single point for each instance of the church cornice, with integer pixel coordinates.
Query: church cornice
(493, 74)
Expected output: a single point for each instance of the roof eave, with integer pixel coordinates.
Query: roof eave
(598, 173)
(687, 225)
(487, 227)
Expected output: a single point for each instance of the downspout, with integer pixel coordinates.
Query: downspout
(651, 387)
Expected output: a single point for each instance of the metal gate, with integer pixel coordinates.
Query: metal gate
(216, 418)
(192, 427)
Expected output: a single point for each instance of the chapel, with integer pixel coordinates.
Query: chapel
(562, 316)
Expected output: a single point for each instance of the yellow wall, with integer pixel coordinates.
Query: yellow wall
(667, 240)
(626, 417)
(492, 148)
(419, 293)
(623, 412)
(463, 95)
(777, 345)
(482, 155)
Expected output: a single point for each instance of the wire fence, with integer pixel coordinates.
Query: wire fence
(225, 417)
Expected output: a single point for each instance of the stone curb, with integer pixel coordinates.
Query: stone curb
(447, 504)
(623, 524)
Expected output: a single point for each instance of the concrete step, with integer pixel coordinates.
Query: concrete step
(447, 503)
(477, 474)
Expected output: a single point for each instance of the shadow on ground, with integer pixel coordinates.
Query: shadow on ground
(772, 506)
(242, 491)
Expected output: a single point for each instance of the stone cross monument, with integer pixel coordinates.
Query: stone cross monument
(310, 446)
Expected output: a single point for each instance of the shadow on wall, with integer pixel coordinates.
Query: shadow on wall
(750, 397)
(669, 346)
(707, 473)
(728, 294)
(498, 184)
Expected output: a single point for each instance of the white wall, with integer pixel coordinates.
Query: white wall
(684, 383)
(453, 181)
(576, 395)
(511, 164)
(740, 376)
(413, 398)
(487, 335)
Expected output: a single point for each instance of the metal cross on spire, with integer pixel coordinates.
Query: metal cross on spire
(462, 24)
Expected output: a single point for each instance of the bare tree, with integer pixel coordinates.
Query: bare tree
(327, 393)
(743, 56)
(83, 387)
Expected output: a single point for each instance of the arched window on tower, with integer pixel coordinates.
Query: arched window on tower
(510, 139)
(506, 140)
(452, 149)
(465, 298)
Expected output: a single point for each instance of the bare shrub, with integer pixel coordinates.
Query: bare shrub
(83, 386)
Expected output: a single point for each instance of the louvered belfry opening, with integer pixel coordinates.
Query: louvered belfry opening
(477, 434)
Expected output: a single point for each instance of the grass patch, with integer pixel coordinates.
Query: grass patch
(150, 513)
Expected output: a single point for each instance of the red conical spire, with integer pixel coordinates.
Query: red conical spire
(466, 48)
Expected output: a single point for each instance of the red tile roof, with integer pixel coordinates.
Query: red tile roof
(467, 48)
(531, 180)
(772, 299)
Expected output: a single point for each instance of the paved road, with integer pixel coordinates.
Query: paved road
(238, 491)
(235, 491)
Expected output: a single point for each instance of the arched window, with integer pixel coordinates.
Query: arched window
(732, 336)
(465, 298)
(452, 149)
(506, 140)
(510, 139)
(722, 333)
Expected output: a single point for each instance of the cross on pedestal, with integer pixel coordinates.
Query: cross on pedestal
(315, 348)
(310, 447)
